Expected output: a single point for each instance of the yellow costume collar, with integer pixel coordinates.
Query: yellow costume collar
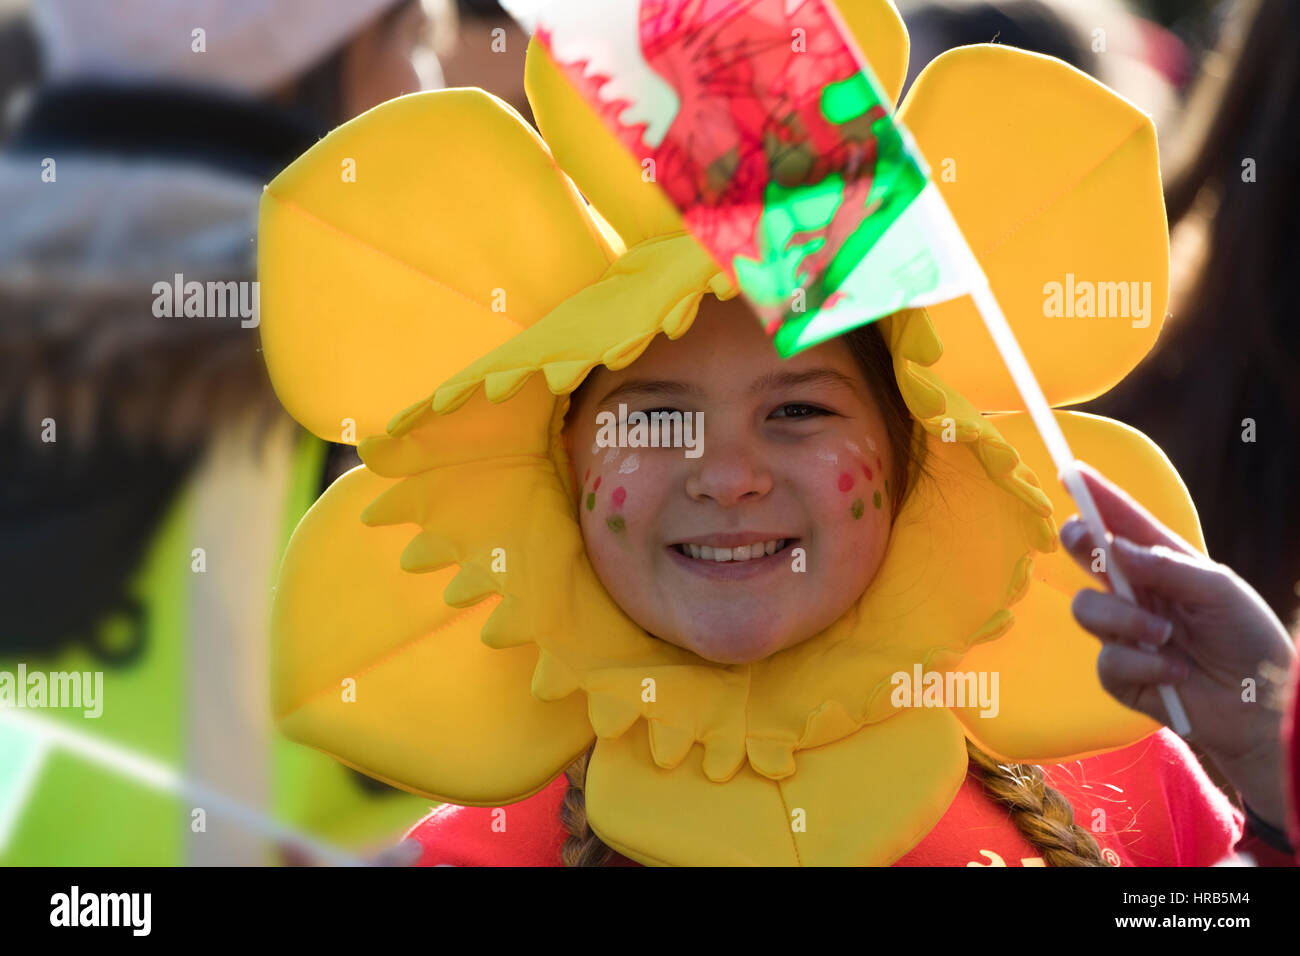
(472, 662)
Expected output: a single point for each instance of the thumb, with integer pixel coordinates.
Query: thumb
(1157, 569)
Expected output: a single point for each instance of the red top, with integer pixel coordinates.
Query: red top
(1150, 804)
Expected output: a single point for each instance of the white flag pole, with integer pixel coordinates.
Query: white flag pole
(1036, 403)
(158, 776)
(1050, 430)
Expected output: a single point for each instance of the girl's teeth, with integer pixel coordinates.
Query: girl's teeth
(745, 552)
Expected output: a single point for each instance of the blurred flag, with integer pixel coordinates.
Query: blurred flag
(767, 129)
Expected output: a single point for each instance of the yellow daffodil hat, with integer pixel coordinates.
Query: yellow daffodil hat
(437, 624)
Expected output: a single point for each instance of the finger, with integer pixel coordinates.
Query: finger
(406, 853)
(1124, 516)
(1112, 618)
(1172, 575)
(1078, 543)
(1125, 672)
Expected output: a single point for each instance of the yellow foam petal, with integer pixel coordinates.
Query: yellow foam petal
(1052, 706)
(655, 287)
(378, 281)
(609, 175)
(1053, 178)
(832, 812)
(435, 711)
(669, 744)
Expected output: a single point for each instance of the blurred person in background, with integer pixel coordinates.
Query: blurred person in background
(488, 53)
(150, 479)
(1221, 391)
(1136, 58)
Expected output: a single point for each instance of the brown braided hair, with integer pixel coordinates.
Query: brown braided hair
(583, 847)
(1042, 814)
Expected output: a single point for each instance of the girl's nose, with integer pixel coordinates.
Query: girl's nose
(728, 473)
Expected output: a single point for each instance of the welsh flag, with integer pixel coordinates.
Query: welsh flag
(770, 134)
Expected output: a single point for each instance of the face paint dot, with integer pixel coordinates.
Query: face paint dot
(879, 466)
(619, 496)
(886, 486)
(616, 523)
(875, 499)
(591, 501)
(856, 509)
(845, 481)
(596, 486)
(630, 464)
(866, 470)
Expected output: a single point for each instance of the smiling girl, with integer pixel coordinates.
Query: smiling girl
(594, 654)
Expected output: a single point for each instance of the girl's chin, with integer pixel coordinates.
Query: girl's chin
(733, 646)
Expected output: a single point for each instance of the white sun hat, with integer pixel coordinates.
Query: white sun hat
(246, 45)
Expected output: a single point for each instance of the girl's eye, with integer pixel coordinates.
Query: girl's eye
(796, 410)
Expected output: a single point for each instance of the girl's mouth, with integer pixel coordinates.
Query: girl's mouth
(718, 562)
(744, 552)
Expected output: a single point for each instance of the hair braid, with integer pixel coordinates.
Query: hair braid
(1042, 815)
(583, 847)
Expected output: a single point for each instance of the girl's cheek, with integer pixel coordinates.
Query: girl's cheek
(614, 494)
(858, 477)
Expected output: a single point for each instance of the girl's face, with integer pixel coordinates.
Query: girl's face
(794, 467)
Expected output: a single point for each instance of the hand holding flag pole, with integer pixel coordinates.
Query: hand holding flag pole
(789, 166)
(1059, 449)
